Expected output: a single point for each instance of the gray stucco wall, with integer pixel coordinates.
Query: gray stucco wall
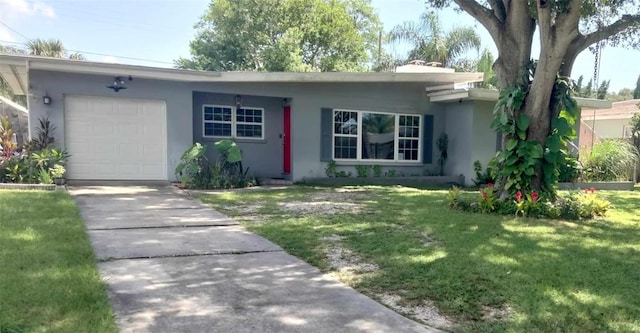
(459, 128)
(307, 99)
(263, 157)
(471, 138)
(484, 138)
(58, 85)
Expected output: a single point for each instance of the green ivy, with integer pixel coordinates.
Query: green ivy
(521, 158)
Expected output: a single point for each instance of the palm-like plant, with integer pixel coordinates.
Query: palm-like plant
(46, 48)
(431, 43)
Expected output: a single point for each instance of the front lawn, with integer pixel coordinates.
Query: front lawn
(483, 273)
(48, 276)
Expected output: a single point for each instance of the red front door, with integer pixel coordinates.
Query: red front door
(286, 140)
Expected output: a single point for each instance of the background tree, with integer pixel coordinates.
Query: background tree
(603, 89)
(431, 43)
(285, 35)
(623, 94)
(636, 92)
(566, 28)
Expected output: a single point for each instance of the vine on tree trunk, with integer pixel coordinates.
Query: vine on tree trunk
(522, 159)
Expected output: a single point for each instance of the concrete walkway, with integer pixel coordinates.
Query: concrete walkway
(175, 265)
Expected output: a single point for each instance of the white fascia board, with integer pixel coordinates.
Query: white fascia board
(590, 103)
(450, 97)
(481, 94)
(99, 68)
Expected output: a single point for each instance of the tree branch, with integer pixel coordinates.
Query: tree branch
(483, 15)
(625, 22)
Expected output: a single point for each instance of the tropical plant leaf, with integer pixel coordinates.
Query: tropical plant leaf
(522, 122)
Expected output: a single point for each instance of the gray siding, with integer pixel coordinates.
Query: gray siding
(308, 99)
(58, 85)
(263, 157)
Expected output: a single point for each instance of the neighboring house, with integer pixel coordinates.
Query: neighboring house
(613, 122)
(288, 125)
(18, 118)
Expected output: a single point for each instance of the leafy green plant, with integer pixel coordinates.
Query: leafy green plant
(193, 170)
(44, 177)
(330, 169)
(377, 170)
(44, 136)
(523, 160)
(57, 172)
(196, 171)
(573, 206)
(443, 144)
(528, 205)
(484, 177)
(343, 174)
(569, 171)
(390, 173)
(362, 171)
(487, 201)
(453, 196)
(609, 160)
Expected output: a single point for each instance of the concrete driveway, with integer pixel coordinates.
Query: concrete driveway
(174, 265)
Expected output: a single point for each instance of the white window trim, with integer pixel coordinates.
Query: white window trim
(234, 123)
(396, 138)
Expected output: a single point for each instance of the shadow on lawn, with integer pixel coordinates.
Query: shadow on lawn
(550, 274)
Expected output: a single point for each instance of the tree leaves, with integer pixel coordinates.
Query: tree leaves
(285, 35)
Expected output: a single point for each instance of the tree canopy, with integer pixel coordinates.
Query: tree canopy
(431, 43)
(285, 35)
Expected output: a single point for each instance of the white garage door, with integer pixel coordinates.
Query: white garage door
(115, 139)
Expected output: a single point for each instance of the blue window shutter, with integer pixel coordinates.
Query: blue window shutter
(427, 139)
(326, 132)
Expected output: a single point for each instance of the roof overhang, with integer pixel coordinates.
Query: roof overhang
(481, 94)
(15, 70)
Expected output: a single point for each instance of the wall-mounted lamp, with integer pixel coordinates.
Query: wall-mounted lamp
(119, 83)
(238, 101)
(46, 100)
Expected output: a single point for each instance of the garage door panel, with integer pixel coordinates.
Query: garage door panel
(128, 129)
(115, 139)
(101, 149)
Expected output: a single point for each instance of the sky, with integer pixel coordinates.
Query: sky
(156, 32)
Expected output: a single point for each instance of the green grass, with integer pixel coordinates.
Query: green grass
(552, 276)
(48, 276)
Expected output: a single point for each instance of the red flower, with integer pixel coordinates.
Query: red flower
(490, 185)
(593, 190)
(586, 190)
(534, 196)
(519, 196)
(484, 196)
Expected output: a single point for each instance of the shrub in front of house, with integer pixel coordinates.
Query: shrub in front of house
(38, 162)
(197, 172)
(575, 205)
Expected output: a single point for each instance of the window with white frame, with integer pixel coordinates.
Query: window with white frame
(229, 121)
(376, 136)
